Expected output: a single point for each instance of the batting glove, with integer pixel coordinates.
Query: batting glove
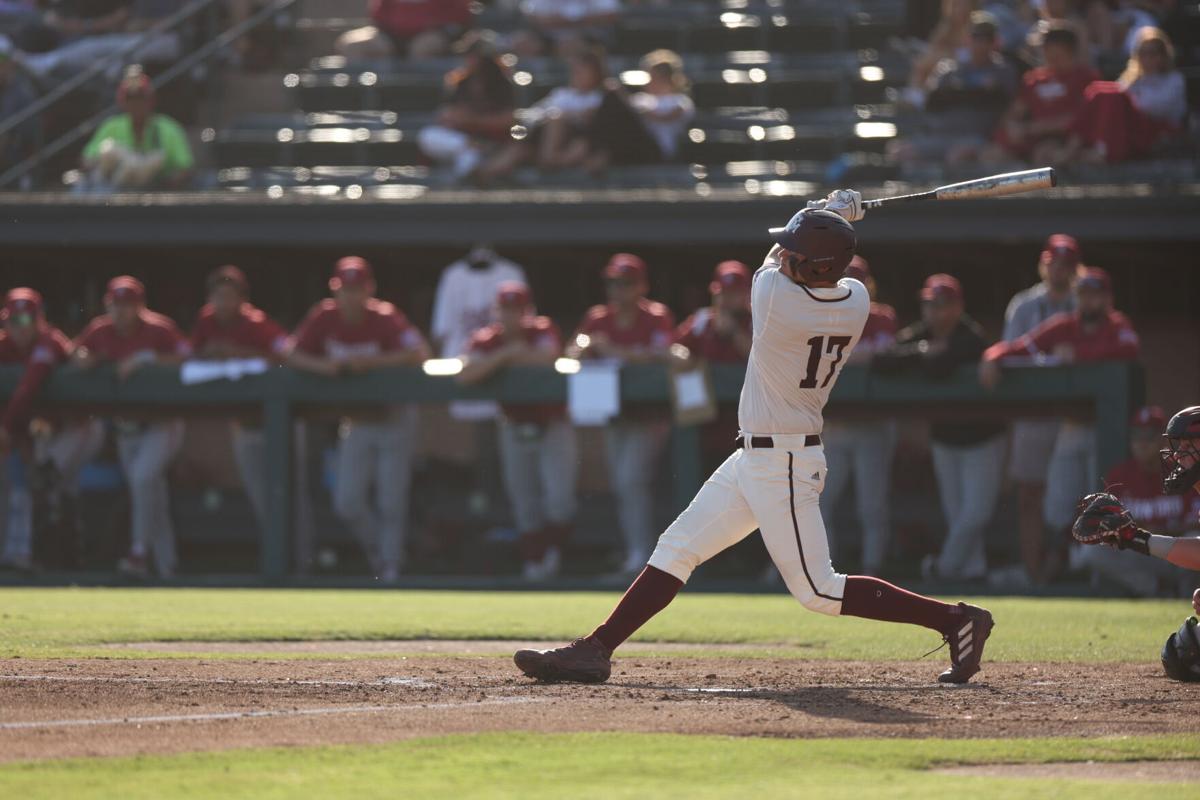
(845, 202)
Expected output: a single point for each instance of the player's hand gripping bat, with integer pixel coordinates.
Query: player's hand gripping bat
(991, 186)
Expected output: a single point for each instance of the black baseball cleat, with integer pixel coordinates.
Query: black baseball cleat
(966, 642)
(582, 661)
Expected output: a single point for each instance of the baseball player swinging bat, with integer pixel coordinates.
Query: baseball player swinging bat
(992, 186)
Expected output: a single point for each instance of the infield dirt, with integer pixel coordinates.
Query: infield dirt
(98, 707)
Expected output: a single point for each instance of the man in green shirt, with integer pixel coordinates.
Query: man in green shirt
(138, 149)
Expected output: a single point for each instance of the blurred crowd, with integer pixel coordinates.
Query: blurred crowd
(1047, 82)
(485, 315)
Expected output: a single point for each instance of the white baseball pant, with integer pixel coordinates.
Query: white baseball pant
(968, 485)
(776, 490)
(145, 455)
(539, 473)
(1074, 471)
(378, 453)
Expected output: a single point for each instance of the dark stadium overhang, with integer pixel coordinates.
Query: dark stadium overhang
(530, 217)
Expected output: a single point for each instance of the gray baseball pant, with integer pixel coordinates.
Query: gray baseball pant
(1074, 467)
(862, 450)
(379, 454)
(540, 464)
(632, 448)
(145, 455)
(969, 483)
(249, 451)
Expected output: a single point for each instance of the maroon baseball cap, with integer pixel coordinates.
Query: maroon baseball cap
(941, 287)
(1095, 279)
(22, 305)
(231, 275)
(1149, 417)
(351, 271)
(730, 275)
(624, 266)
(513, 293)
(858, 268)
(125, 289)
(1062, 246)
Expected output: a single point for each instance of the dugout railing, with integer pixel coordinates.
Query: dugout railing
(1106, 393)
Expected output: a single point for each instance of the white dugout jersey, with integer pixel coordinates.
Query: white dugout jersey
(802, 338)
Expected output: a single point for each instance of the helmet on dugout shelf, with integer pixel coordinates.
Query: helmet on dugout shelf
(823, 238)
(1180, 459)
(1181, 653)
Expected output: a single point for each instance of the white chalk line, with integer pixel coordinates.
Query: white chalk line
(414, 683)
(235, 715)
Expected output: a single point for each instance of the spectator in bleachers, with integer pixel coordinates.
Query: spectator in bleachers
(17, 92)
(537, 444)
(950, 37)
(54, 452)
(1137, 482)
(350, 334)
(63, 22)
(1093, 332)
(131, 336)
(862, 450)
(967, 97)
(631, 329)
(555, 121)
(564, 27)
(227, 327)
(1033, 439)
(138, 149)
(664, 105)
(415, 29)
(967, 456)
(477, 114)
(1071, 14)
(1039, 120)
(1129, 118)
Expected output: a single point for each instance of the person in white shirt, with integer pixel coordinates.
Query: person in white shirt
(807, 318)
(665, 107)
(464, 303)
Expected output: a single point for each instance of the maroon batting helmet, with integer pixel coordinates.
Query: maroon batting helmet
(823, 238)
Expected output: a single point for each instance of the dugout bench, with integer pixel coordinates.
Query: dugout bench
(1107, 393)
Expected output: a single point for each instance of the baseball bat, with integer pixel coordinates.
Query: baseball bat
(991, 186)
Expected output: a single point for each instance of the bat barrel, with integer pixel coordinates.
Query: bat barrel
(999, 185)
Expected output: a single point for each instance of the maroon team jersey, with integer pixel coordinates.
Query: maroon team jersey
(1141, 492)
(880, 331)
(540, 333)
(700, 336)
(1114, 340)
(251, 329)
(153, 332)
(653, 327)
(383, 329)
(50, 348)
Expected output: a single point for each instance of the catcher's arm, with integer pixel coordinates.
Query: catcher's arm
(1103, 519)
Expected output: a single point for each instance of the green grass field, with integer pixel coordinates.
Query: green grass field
(604, 765)
(57, 623)
(77, 623)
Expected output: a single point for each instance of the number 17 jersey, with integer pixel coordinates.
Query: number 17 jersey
(802, 338)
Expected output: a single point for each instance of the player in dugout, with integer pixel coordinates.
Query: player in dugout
(538, 453)
(132, 337)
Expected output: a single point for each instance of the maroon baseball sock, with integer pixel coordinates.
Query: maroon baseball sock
(875, 599)
(649, 594)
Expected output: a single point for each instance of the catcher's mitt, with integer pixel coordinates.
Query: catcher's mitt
(1103, 519)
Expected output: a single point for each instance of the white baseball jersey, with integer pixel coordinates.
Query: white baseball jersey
(802, 338)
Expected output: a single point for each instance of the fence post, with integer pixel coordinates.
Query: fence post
(686, 474)
(277, 429)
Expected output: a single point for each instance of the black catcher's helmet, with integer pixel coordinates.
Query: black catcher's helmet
(825, 240)
(1181, 457)
(1181, 653)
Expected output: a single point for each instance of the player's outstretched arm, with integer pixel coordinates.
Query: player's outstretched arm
(1180, 552)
